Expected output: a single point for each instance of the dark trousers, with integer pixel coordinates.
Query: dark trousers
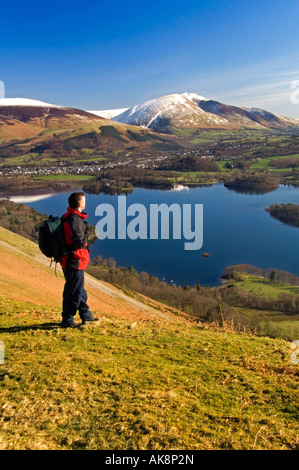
(74, 297)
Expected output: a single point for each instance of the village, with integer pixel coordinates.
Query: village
(90, 167)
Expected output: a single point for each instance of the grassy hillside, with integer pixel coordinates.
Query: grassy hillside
(263, 286)
(145, 377)
(86, 143)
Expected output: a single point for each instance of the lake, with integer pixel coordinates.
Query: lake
(236, 230)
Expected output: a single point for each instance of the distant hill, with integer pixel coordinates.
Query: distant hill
(190, 110)
(35, 132)
(109, 113)
(44, 114)
(41, 131)
(21, 117)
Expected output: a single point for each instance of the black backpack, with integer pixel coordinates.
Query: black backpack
(51, 240)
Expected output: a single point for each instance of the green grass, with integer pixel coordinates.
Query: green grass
(265, 163)
(221, 164)
(138, 385)
(264, 286)
(20, 160)
(201, 140)
(21, 243)
(66, 177)
(93, 157)
(273, 323)
(57, 131)
(284, 328)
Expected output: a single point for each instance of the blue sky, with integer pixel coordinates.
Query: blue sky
(102, 55)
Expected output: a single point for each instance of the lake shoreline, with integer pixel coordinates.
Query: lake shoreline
(230, 233)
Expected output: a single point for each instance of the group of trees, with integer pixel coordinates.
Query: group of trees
(205, 303)
(235, 273)
(254, 144)
(124, 179)
(237, 297)
(190, 300)
(252, 181)
(288, 213)
(285, 163)
(108, 187)
(239, 164)
(20, 219)
(21, 183)
(190, 163)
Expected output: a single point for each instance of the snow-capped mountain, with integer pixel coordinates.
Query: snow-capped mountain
(26, 102)
(177, 110)
(190, 110)
(270, 117)
(14, 111)
(109, 113)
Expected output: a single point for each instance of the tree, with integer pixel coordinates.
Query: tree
(111, 263)
(272, 276)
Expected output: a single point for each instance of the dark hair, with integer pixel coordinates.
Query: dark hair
(74, 199)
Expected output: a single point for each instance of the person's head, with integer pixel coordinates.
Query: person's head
(77, 201)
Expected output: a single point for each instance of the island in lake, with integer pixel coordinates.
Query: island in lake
(287, 213)
(252, 184)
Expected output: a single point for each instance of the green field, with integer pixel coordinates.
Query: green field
(265, 163)
(66, 177)
(270, 322)
(264, 286)
(137, 385)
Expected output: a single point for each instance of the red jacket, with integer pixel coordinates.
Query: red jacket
(76, 231)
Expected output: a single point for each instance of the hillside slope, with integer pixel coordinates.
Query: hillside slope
(143, 378)
(42, 287)
(18, 114)
(37, 133)
(31, 145)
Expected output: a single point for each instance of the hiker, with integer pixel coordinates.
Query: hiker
(76, 231)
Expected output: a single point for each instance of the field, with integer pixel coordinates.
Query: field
(264, 286)
(265, 163)
(271, 323)
(134, 385)
(142, 378)
(63, 177)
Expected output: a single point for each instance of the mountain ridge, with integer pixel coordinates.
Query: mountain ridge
(34, 127)
(41, 114)
(39, 132)
(190, 110)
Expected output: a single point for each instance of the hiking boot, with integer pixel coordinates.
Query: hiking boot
(72, 325)
(89, 322)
